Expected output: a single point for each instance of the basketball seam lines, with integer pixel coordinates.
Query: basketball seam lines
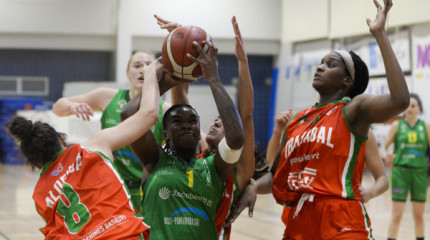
(185, 50)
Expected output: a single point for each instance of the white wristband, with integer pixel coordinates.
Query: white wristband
(227, 154)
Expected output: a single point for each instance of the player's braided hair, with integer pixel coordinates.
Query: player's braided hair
(39, 142)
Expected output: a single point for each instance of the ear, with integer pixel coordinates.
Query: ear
(127, 73)
(165, 136)
(63, 141)
(348, 82)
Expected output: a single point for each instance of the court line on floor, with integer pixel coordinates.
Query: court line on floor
(4, 236)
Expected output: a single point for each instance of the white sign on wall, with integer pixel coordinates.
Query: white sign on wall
(421, 71)
(369, 52)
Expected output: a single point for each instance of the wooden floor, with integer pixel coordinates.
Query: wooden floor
(19, 220)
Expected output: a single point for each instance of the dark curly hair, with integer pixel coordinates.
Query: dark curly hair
(361, 78)
(38, 142)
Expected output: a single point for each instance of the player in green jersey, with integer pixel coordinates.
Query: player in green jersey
(182, 192)
(111, 101)
(411, 137)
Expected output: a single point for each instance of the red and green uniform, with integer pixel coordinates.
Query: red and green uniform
(180, 198)
(128, 165)
(319, 173)
(229, 197)
(80, 195)
(410, 163)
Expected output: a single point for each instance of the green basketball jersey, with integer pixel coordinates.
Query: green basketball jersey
(128, 166)
(411, 145)
(180, 198)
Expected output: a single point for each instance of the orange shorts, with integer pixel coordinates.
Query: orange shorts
(329, 218)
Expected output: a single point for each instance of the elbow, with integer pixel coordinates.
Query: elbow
(236, 141)
(386, 184)
(56, 108)
(152, 115)
(403, 103)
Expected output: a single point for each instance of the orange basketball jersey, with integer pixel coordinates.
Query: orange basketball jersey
(322, 156)
(81, 196)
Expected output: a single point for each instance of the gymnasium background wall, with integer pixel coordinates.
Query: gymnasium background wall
(286, 36)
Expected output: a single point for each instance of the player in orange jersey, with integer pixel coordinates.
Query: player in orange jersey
(80, 194)
(318, 171)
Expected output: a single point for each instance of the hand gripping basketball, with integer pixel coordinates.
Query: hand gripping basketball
(207, 61)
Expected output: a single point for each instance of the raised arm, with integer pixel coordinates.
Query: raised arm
(131, 129)
(280, 123)
(83, 106)
(377, 109)
(246, 164)
(226, 109)
(376, 166)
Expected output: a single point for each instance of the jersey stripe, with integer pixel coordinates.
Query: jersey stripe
(366, 221)
(346, 189)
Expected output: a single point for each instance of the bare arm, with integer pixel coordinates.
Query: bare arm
(135, 126)
(226, 109)
(83, 105)
(428, 133)
(376, 166)
(246, 164)
(280, 123)
(248, 197)
(388, 157)
(365, 110)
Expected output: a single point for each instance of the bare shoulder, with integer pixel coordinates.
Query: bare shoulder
(354, 107)
(360, 99)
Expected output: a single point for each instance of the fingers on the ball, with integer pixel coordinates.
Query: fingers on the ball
(196, 44)
(191, 57)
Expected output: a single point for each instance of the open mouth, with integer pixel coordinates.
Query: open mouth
(141, 78)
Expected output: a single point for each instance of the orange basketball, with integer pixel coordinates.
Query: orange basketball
(176, 46)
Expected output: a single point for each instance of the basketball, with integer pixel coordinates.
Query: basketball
(176, 46)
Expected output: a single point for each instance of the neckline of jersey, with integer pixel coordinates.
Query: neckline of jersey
(345, 99)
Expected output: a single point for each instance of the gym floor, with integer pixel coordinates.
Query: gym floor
(20, 221)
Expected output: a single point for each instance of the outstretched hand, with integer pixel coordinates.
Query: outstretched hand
(240, 48)
(246, 199)
(165, 24)
(282, 119)
(381, 16)
(83, 111)
(208, 61)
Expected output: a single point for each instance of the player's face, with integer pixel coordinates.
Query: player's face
(135, 72)
(184, 129)
(413, 109)
(330, 74)
(215, 134)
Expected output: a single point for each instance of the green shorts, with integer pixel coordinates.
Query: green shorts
(405, 179)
